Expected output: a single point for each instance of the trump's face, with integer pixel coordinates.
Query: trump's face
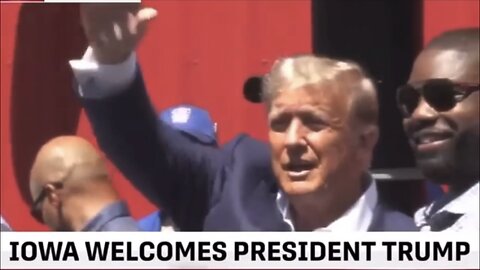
(314, 148)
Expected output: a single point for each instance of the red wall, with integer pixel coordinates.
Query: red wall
(196, 51)
(442, 15)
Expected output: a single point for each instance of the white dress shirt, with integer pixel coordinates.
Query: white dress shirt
(103, 80)
(356, 219)
(467, 205)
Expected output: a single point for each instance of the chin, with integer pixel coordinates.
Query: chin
(298, 188)
(436, 170)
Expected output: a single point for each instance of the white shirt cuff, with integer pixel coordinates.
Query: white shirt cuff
(97, 80)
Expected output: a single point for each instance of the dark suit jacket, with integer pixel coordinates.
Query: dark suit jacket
(200, 187)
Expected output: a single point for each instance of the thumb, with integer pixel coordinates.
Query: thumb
(140, 19)
(146, 14)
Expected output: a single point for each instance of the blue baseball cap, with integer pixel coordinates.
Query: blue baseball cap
(191, 120)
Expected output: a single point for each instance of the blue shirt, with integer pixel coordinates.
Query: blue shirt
(434, 191)
(151, 223)
(114, 217)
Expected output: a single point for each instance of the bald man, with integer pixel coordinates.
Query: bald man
(72, 191)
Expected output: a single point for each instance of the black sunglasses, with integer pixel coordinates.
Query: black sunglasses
(36, 209)
(440, 94)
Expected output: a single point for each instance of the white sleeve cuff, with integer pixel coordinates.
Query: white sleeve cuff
(97, 80)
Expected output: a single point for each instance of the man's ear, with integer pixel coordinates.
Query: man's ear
(52, 195)
(369, 137)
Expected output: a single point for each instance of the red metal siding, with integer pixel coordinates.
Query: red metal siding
(442, 15)
(196, 51)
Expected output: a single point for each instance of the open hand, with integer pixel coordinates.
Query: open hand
(114, 30)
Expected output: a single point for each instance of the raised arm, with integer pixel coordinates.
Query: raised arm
(173, 171)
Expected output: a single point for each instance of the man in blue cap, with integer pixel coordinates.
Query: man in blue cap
(195, 123)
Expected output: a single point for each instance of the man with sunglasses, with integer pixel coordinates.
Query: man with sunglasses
(440, 106)
(72, 190)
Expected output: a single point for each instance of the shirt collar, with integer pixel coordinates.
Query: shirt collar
(463, 203)
(459, 205)
(357, 218)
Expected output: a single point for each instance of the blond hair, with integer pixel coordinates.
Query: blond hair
(307, 70)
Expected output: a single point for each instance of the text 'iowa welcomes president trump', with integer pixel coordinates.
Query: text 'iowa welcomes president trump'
(219, 251)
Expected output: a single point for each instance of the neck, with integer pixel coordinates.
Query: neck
(82, 209)
(459, 188)
(313, 211)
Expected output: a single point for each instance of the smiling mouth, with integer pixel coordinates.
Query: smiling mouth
(298, 171)
(430, 139)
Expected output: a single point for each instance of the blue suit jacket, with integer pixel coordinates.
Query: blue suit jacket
(201, 188)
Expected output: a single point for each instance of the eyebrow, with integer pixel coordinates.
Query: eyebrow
(311, 111)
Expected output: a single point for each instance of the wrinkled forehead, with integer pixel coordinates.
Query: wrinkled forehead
(317, 99)
(450, 64)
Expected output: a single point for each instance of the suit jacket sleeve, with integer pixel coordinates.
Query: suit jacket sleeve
(169, 168)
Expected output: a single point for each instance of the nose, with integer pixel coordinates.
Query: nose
(423, 111)
(295, 134)
(423, 115)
